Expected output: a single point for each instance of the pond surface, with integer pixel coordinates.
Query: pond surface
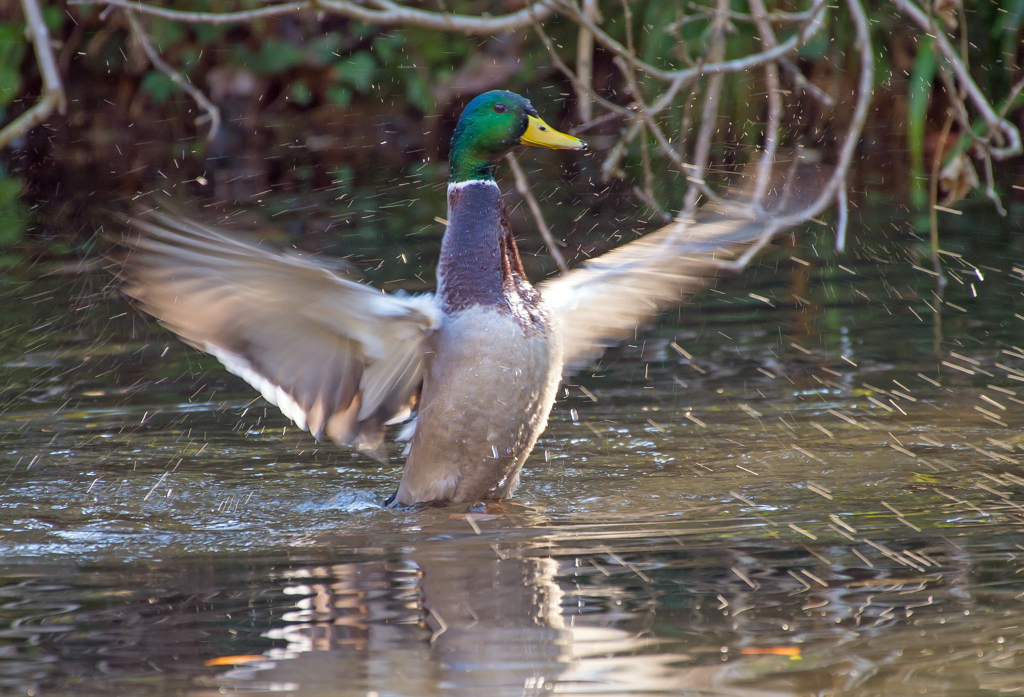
(826, 498)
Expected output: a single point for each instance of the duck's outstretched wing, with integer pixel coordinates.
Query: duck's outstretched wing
(604, 299)
(337, 357)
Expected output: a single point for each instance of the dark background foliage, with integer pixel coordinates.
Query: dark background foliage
(320, 108)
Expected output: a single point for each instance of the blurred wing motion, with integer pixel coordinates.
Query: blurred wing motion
(338, 357)
(604, 299)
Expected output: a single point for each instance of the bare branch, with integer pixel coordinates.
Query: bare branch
(844, 216)
(996, 125)
(584, 127)
(44, 54)
(611, 164)
(709, 114)
(771, 139)
(812, 27)
(647, 193)
(212, 112)
(777, 16)
(390, 14)
(585, 63)
(523, 187)
(53, 91)
(1011, 98)
(647, 119)
(648, 198)
(933, 201)
(990, 182)
(572, 77)
(30, 119)
(838, 178)
(201, 17)
(804, 84)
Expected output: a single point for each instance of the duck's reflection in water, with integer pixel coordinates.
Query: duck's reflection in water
(455, 617)
(461, 617)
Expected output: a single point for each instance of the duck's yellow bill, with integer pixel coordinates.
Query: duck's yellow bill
(542, 135)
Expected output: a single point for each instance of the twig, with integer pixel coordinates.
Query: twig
(584, 127)
(652, 203)
(933, 201)
(585, 63)
(647, 193)
(806, 85)
(647, 119)
(30, 119)
(990, 182)
(212, 112)
(640, 116)
(574, 79)
(610, 166)
(709, 114)
(996, 125)
(44, 53)
(789, 46)
(523, 187)
(771, 139)
(777, 16)
(391, 14)
(1011, 98)
(201, 17)
(53, 91)
(844, 216)
(627, 16)
(856, 127)
(685, 122)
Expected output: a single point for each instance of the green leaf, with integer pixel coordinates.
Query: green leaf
(10, 190)
(386, 47)
(1009, 20)
(14, 215)
(920, 94)
(418, 92)
(1008, 25)
(165, 32)
(53, 17)
(656, 46)
(12, 45)
(357, 70)
(158, 86)
(883, 72)
(300, 93)
(189, 59)
(339, 96)
(321, 51)
(207, 34)
(10, 84)
(277, 56)
(342, 178)
(818, 46)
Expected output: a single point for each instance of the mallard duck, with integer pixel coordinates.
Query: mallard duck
(478, 362)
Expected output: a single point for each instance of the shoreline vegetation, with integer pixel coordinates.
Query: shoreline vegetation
(271, 108)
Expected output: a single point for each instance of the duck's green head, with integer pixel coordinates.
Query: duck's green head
(490, 126)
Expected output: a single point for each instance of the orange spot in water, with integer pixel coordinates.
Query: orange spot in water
(233, 660)
(790, 651)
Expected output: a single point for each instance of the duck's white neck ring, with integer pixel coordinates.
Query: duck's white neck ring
(456, 186)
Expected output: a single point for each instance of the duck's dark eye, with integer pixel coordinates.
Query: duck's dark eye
(500, 108)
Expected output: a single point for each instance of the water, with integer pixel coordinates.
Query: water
(815, 504)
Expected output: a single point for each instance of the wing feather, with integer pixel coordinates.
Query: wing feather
(603, 300)
(336, 356)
